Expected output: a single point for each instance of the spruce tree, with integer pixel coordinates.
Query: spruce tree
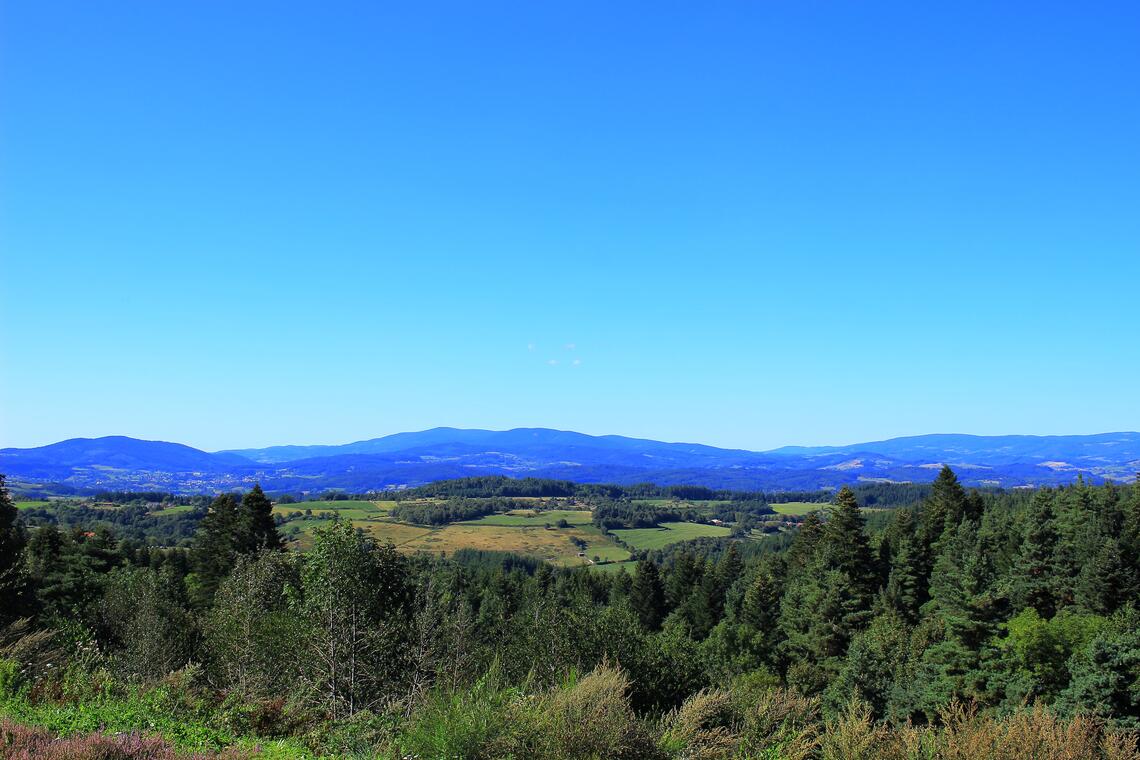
(761, 602)
(648, 595)
(802, 550)
(1035, 579)
(215, 548)
(684, 577)
(828, 599)
(966, 606)
(902, 593)
(1105, 582)
(941, 512)
(258, 531)
(844, 545)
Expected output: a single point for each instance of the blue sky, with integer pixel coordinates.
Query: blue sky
(745, 224)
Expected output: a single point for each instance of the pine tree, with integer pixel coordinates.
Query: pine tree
(1105, 582)
(966, 606)
(828, 599)
(730, 566)
(902, 593)
(807, 537)
(684, 577)
(945, 508)
(1035, 579)
(215, 548)
(702, 610)
(1129, 507)
(761, 603)
(844, 545)
(873, 663)
(648, 595)
(258, 531)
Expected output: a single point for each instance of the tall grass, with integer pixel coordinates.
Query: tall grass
(582, 717)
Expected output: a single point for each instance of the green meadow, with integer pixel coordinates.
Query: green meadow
(668, 533)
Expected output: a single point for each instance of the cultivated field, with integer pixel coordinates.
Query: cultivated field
(522, 531)
(176, 510)
(798, 508)
(553, 545)
(526, 518)
(668, 533)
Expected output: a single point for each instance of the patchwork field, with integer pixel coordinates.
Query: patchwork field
(176, 510)
(553, 546)
(32, 504)
(797, 508)
(525, 518)
(532, 532)
(349, 510)
(668, 533)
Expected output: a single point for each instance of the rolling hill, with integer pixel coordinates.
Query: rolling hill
(408, 459)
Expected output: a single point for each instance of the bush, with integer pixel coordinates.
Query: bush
(589, 718)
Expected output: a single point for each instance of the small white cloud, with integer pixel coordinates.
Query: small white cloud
(552, 362)
(529, 346)
(576, 362)
(570, 346)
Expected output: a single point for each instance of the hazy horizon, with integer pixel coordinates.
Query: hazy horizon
(596, 434)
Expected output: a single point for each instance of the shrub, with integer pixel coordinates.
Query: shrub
(703, 728)
(783, 724)
(589, 718)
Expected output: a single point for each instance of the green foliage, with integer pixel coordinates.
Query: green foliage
(648, 595)
(354, 595)
(15, 597)
(251, 623)
(1037, 652)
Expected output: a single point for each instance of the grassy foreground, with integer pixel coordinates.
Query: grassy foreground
(586, 716)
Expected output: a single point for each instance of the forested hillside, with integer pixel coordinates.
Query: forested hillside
(999, 624)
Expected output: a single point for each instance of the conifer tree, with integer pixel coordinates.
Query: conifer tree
(844, 545)
(945, 508)
(807, 537)
(1105, 582)
(761, 601)
(966, 606)
(902, 593)
(648, 595)
(258, 530)
(1035, 579)
(684, 577)
(828, 599)
(215, 548)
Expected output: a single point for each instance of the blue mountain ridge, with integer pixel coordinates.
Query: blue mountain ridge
(414, 458)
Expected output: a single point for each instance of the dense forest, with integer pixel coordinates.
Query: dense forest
(996, 624)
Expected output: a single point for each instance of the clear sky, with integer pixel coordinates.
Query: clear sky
(746, 224)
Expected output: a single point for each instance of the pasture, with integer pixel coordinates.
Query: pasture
(349, 510)
(668, 533)
(526, 518)
(37, 504)
(175, 510)
(617, 567)
(797, 508)
(554, 546)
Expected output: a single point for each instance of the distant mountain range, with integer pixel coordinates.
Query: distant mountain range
(410, 459)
